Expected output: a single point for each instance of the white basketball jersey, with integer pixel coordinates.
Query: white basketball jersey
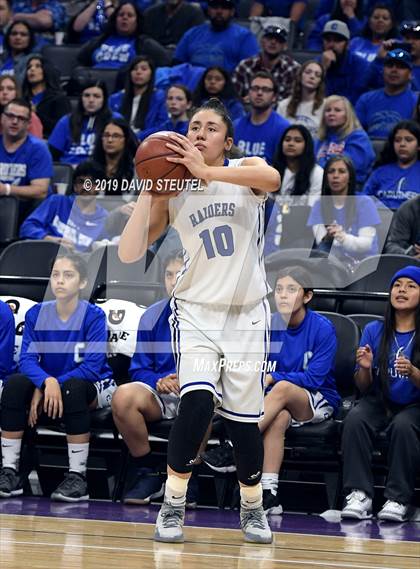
(222, 233)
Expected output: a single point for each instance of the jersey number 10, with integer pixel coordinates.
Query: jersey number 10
(221, 238)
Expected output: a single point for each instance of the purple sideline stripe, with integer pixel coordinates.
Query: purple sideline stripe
(212, 518)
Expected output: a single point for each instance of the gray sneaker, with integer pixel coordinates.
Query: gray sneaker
(72, 489)
(169, 523)
(10, 483)
(255, 526)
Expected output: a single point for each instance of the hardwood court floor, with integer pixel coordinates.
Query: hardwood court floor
(39, 542)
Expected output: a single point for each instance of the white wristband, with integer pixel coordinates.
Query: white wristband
(8, 188)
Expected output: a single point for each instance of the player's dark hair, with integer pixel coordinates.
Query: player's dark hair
(385, 345)
(265, 75)
(20, 102)
(306, 161)
(219, 108)
(388, 154)
(127, 101)
(78, 262)
(327, 205)
(298, 274)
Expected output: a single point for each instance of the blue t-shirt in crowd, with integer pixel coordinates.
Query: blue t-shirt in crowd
(114, 52)
(394, 185)
(151, 360)
(366, 215)
(356, 146)
(364, 48)
(31, 161)
(181, 127)
(305, 355)
(7, 340)
(379, 113)
(75, 348)
(96, 24)
(401, 390)
(60, 216)
(156, 114)
(203, 46)
(259, 139)
(56, 8)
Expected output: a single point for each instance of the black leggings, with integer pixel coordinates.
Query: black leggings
(16, 398)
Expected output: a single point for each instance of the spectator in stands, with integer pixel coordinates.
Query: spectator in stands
(258, 132)
(410, 31)
(19, 42)
(219, 42)
(397, 173)
(380, 26)
(115, 149)
(9, 90)
(168, 21)
(64, 384)
(7, 343)
(152, 394)
(346, 72)
(74, 221)
(178, 104)
(350, 12)
(41, 87)
(41, 15)
(74, 136)
(6, 18)
(343, 223)
(216, 82)
(378, 111)
(25, 163)
(340, 133)
(272, 58)
(302, 388)
(388, 377)
(90, 21)
(293, 9)
(121, 42)
(140, 103)
(306, 102)
(301, 181)
(404, 233)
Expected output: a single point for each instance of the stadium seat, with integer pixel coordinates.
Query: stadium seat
(378, 145)
(63, 57)
(9, 214)
(302, 55)
(374, 275)
(62, 178)
(25, 268)
(80, 75)
(139, 282)
(362, 319)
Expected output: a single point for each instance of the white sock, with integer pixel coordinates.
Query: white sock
(78, 455)
(270, 481)
(251, 496)
(176, 490)
(10, 452)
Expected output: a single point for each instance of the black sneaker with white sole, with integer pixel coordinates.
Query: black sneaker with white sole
(271, 504)
(72, 489)
(10, 483)
(220, 459)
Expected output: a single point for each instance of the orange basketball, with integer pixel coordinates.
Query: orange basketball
(151, 164)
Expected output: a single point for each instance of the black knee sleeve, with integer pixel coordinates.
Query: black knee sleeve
(190, 426)
(248, 449)
(77, 394)
(15, 401)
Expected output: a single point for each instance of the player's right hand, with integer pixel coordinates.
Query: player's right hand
(364, 357)
(53, 401)
(168, 384)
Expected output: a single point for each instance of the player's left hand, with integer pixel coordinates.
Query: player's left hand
(168, 384)
(189, 155)
(36, 407)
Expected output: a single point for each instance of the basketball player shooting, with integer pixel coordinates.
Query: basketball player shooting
(219, 309)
